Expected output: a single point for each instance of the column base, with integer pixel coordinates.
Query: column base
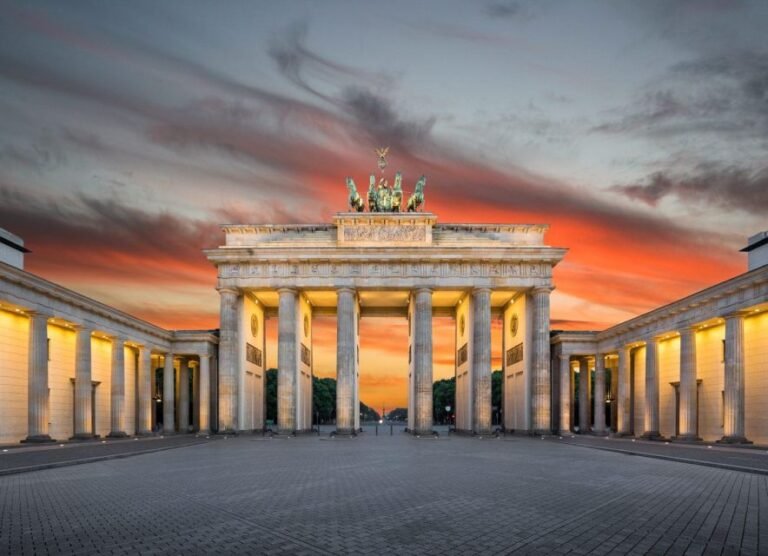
(687, 438)
(565, 433)
(84, 437)
(38, 439)
(652, 435)
(599, 433)
(542, 432)
(144, 434)
(208, 432)
(429, 432)
(229, 432)
(623, 435)
(117, 434)
(734, 440)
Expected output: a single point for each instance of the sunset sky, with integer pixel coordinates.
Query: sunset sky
(638, 130)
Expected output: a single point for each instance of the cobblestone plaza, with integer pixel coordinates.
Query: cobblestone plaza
(385, 495)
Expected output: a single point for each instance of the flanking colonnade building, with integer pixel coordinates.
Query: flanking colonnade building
(71, 367)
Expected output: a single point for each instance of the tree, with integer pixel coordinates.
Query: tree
(444, 395)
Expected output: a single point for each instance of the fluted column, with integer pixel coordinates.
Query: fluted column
(286, 361)
(623, 401)
(37, 389)
(583, 395)
(422, 355)
(145, 391)
(169, 398)
(83, 384)
(204, 396)
(481, 361)
(540, 388)
(345, 361)
(688, 405)
(228, 361)
(117, 390)
(184, 395)
(599, 394)
(733, 430)
(565, 394)
(651, 389)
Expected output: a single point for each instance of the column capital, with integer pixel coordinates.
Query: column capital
(345, 289)
(39, 312)
(233, 291)
(287, 290)
(423, 290)
(735, 315)
(542, 289)
(481, 290)
(565, 357)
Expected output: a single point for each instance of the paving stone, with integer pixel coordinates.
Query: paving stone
(385, 494)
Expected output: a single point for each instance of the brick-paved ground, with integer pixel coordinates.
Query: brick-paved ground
(384, 495)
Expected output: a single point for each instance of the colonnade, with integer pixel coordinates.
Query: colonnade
(688, 412)
(291, 332)
(38, 403)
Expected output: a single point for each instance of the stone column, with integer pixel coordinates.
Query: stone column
(623, 401)
(228, 361)
(37, 387)
(286, 361)
(184, 396)
(688, 386)
(651, 389)
(481, 361)
(565, 394)
(145, 391)
(733, 430)
(599, 395)
(422, 355)
(195, 372)
(83, 384)
(540, 361)
(583, 395)
(117, 390)
(169, 398)
(204, 389)
(345, 361)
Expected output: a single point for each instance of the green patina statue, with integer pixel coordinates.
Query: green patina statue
(382, 197)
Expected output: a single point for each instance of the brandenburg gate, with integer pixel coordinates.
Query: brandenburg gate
(385, 263)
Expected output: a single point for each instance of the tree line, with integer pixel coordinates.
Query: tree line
(324, 400)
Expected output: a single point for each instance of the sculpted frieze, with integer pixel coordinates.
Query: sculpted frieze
(385, 270)
(384, 233)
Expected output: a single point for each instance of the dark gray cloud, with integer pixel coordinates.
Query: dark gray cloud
(726, 94)
(728, 188)
(507, 8)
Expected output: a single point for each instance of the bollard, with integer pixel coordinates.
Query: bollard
(390, 430)
(377, 430)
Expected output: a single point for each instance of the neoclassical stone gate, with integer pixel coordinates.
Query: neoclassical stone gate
(385, 264)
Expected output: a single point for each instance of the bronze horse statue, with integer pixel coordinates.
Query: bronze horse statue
(416, 200)
(355, 200)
